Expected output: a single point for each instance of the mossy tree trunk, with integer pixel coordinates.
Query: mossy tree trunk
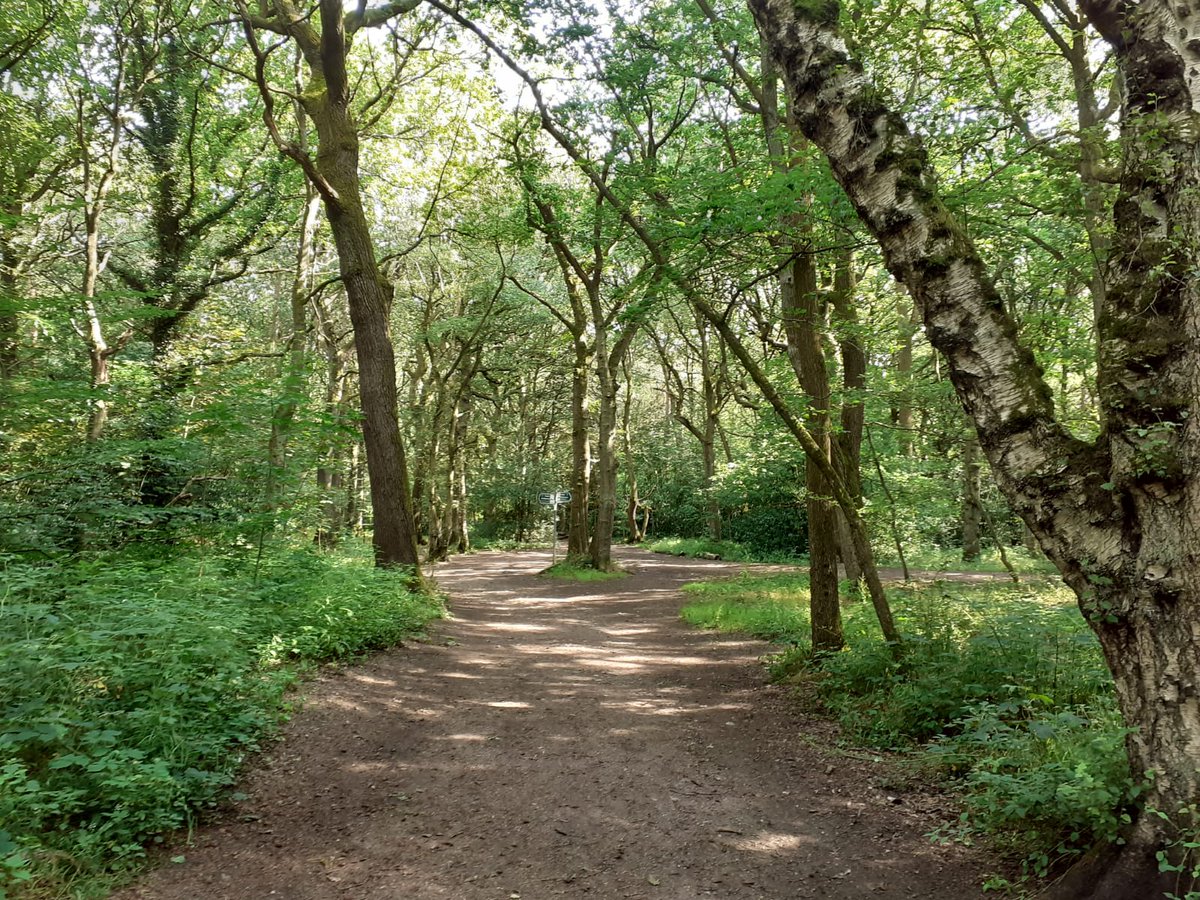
(1120, 516)
(803, 322)
(802, 308)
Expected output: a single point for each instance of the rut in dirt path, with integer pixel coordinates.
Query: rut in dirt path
(560, 739)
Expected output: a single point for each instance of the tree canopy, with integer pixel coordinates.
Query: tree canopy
(850, 283)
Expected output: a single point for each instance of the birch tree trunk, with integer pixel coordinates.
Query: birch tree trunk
(1119, 517)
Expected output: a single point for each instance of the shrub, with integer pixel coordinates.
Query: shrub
(1050, 782)
(132, 690)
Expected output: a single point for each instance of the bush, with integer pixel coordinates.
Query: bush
(1050, 782)
(133, 690)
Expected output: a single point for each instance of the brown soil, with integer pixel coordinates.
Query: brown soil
(562, 739)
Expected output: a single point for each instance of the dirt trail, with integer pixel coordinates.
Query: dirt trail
(564, 740)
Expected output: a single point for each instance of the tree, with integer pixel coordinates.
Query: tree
(580, 275)
(697, 407)
(1119, 516)
(328, 98)
(107, 87)
(662, 269)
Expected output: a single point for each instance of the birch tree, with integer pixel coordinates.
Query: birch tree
(1119, 516)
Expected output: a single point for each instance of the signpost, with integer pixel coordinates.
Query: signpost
(554, 499)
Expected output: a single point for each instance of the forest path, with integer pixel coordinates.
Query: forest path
(562, 739)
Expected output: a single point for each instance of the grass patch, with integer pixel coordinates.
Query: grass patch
(133, 690)
(572, 571)
(936, 559)
(772, 607)
(1003, 691)
(702, 548)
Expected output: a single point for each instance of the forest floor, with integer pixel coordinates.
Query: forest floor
(565, 739)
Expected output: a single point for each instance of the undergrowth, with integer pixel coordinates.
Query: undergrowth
(480, 544)
(1002, 691)
(949, 559)
(701, 547)
(132, 690)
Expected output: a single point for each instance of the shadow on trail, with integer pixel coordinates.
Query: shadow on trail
(562, 739)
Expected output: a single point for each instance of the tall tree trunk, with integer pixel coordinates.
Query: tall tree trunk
(803, 315)
(419, 377)
(1119, 517)
(606, 461)
(370, 298)
(581, 453)
(459, 538)
(712, 422)
(334, 173)
(284, 414)
(608, 365)
(854, 382)
(708, 458)
(815, 457)
(355, 517)
(439, 539)
(972, 507)
(95, 200)
(633, 502)
(98, 349)
(332, 453)
(802, 320)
